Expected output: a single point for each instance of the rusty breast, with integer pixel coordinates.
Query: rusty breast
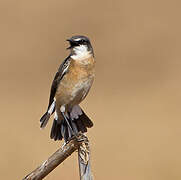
(75, 85)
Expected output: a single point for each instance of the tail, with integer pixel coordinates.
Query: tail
(83, 122)
(60, 130)
(56, 132)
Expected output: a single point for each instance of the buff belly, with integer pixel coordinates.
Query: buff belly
(76, 83)
(73, 93)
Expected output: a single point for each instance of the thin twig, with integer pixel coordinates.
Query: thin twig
(55, 159)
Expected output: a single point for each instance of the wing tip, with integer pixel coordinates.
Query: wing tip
(44, 120)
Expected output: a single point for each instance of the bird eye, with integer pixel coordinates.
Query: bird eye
(82, 41)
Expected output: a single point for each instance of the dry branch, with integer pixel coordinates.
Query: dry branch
(57, 158)
(84, 161)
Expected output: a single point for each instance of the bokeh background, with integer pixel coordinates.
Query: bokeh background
(135, 101)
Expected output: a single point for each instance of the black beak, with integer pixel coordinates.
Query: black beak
(69, 40)
(72, 43)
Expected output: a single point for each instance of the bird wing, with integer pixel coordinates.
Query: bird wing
(58, 76)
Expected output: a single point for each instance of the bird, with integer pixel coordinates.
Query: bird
(69, 88)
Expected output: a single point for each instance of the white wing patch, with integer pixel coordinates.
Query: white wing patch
(50, 110)
(65, 67)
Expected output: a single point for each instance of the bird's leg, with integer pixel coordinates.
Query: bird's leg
(73, 128)
(64, 116)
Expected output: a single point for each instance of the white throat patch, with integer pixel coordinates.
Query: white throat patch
(81, 52)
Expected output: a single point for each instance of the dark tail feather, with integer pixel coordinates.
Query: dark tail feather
(61, 130)
(86, 120)
(56, 131)
(44, 120)
(83, 122)
(80, 125)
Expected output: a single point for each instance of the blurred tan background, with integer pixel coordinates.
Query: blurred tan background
(135, 101)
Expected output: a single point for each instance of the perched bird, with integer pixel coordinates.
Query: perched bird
(70, 86)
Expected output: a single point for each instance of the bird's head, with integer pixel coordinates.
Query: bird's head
(80, 46)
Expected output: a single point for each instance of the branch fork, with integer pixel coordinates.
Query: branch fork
(80, 143)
